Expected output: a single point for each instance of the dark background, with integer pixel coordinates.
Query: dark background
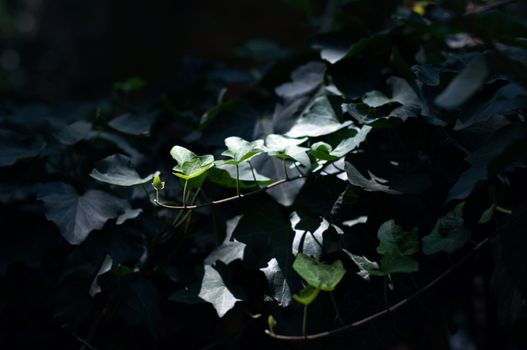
(71, 49)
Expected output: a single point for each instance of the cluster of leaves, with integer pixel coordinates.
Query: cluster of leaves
(384, 150)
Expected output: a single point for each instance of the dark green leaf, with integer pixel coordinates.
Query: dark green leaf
(396, 263)
(464, 85)
(141, 303)
(305, 79)
(75, 132)
(117, 170)
(480, 159)
(132, 124)
(394, 240)
(77, 215)
(14, 146)
(449, 233)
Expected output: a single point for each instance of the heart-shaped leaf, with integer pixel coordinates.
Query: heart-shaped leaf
(117, 170)
(190, 165)
(288, 148)
(394, 240)
(77, 215)
(320, 119)
(449, 234)
(214, 290)
(240, 150)
(319, 275)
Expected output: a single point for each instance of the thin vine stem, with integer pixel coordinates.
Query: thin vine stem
(237, 180)
(389, 309)
(185, 194)
(228, 199)
(335, 307)
(284, 162)
(254, 175)
(304, 321)
(233, 198)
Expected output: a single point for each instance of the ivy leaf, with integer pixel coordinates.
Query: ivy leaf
(349, 144)
(141, 303)
(376, 99)
(322, 150)
(189, 164)
(394, 240)
(487, 215)
(75, 132)
(14, 147)
(214, 291)
(319, 119)
(335, 53)
(305, 80)
(307, 295)
(449, 233)
(106, 266)
(277, 282)
(429, 74)
(128, 214)
(370, 185)
(464, 85)
(117, 170)
(76, 216)
(132, 124)
(225, 175)
(507, 99)
(288, 148)
(366, 267)
(319, 275)
(502, 140)
(227, 252)
(308, 235)
(397, 263)
(241, 150)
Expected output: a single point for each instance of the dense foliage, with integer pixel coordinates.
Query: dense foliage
(309, 192)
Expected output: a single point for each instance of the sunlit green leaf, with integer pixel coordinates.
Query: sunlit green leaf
(240, 150)
(307, 295)
(288, 148)
(319, 275)
(189, 164)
